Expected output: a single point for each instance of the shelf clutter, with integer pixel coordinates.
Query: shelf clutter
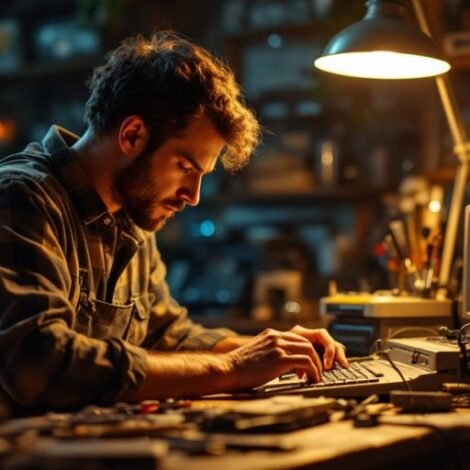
(323, 186)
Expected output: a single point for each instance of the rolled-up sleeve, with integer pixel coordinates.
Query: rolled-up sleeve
(169, 325)
(44, 362)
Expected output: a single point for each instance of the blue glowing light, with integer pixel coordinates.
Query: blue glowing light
(274, 41)
(207, 228)
(223, 296)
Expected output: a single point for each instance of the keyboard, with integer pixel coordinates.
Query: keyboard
(363, 378)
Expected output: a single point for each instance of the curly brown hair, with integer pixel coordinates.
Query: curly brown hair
(167, 80)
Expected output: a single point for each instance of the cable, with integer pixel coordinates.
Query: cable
(376, 347)
(412, 328)
(462, 341)
(447, 333)
(398, 371)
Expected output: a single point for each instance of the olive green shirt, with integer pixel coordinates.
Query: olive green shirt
(82, 291)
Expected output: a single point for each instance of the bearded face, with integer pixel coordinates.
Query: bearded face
(160, 182)
(142, 194)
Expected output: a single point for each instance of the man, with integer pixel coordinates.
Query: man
(85, 312)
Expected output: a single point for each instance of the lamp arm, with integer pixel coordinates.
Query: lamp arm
(461, 150)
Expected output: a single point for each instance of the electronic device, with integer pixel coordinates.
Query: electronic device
(384, 304)
(358, 319)
(417, 364)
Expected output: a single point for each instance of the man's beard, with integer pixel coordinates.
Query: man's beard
(139, 193)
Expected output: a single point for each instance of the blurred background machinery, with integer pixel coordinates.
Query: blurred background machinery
(338, 158)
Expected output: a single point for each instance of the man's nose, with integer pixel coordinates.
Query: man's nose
(192, 192)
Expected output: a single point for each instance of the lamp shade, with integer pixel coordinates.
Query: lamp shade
(383, 45)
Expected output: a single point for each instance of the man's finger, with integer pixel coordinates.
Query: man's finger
(335, 353)
(332, 352)
(300, 361)
(317, 336)
(341, 354)
(330, 348)
(329, 356)
(288, 335)
(296, 348)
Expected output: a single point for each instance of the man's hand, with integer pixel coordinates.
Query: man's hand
(272, 353)
(321, 339)
(241, 363)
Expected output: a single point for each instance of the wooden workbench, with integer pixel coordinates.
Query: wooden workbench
(431, 441)
(339, 445)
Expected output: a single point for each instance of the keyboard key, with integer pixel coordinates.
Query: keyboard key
(372, 370)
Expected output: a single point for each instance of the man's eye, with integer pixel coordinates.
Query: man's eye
(186, 170)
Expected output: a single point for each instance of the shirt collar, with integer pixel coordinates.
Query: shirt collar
(73, 177)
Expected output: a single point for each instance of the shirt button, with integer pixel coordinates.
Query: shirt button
(107, 220)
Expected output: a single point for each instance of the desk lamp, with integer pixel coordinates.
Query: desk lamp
(385, 44)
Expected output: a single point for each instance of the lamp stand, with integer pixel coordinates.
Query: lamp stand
(462, 152)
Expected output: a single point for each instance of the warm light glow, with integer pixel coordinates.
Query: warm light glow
(435, 206)
(382, 64)
(7, 131)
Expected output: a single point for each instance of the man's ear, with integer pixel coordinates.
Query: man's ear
(133, 136)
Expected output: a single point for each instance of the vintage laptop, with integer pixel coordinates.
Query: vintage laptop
(418, 364)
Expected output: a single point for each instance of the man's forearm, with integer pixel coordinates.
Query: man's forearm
(183, 375)
(230, 343)
(241, 363)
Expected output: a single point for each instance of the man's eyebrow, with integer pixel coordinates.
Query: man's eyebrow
(194, 163)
